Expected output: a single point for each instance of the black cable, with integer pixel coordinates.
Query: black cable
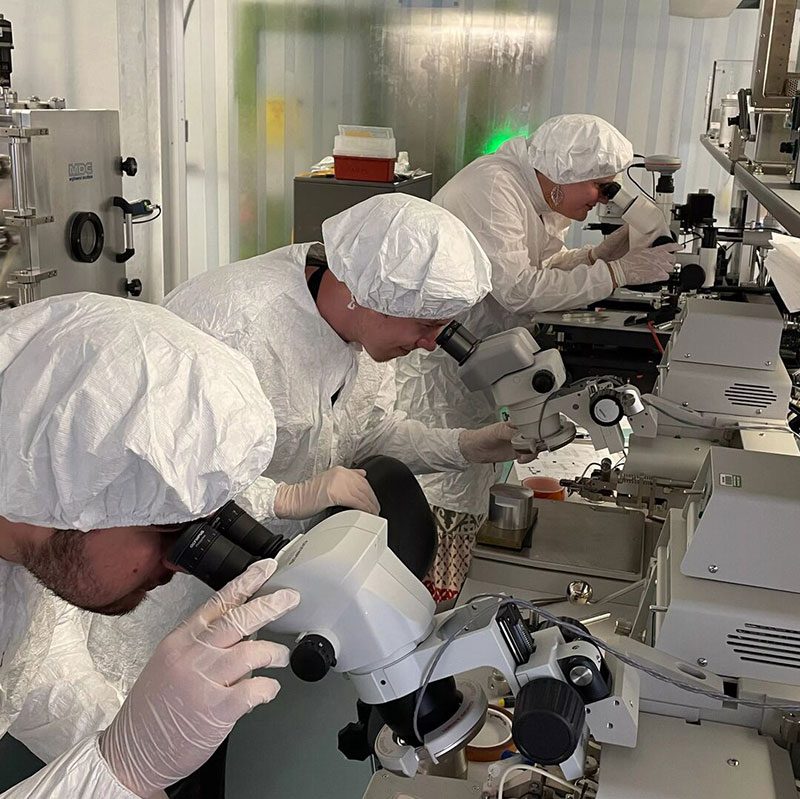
(149, 218)
(636, 182)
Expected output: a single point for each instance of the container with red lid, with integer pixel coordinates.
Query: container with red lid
(361, 153)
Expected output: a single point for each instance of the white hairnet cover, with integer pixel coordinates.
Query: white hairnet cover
(574, 147)
(115, 413)
(403, 256)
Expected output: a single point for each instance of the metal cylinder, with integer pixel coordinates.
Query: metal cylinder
(729, 107)
(18, 181)
(511, 506)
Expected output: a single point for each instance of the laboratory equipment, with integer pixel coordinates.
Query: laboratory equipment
(364, 614)
(65, 224)
(531, 384)
(317, 197)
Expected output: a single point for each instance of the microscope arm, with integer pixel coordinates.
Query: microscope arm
(476, 635)
(528, 385)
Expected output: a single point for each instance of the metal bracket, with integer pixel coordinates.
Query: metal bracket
(771, 59)
(32, 277)
(13, 219)
(19, 132)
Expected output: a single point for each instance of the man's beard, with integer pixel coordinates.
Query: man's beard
(60, 564)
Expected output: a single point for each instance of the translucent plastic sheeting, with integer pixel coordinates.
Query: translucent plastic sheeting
(268, 82)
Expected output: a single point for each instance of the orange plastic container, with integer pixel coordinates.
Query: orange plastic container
(545, 487)
(351, 167)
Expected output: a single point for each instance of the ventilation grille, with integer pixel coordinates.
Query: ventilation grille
(749, 395)
(775, 646)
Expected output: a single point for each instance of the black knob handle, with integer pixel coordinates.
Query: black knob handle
(353, 742)
(312, 658)
(787, 147)
(733, 120)
(543, 382)
(605, 408)
(129, 166)
(134, 287)
(548, 720)
(357, 738)
(692, 277)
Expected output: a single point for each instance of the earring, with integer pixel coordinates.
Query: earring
(351, 306)
(557, 195)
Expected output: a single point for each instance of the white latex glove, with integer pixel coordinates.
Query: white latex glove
(336, 486)
(197, 685)
(613, 246)
(644, 266)
(490, 444)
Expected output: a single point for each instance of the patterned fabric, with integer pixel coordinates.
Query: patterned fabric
(457, 534)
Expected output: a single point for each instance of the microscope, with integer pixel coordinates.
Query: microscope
(651, 222)
(529, 384)
(364, 614)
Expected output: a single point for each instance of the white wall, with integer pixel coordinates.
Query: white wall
(65, 48)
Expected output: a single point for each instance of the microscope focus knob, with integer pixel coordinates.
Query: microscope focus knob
(312, 658)
(605, 408)
(548, 720)
(543, 382)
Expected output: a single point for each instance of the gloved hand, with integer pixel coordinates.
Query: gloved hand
(644, 266)
(613, 246)
(490, 444)
(336, 486)
(197, 685)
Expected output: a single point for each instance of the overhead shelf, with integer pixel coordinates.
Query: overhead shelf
(773, 192)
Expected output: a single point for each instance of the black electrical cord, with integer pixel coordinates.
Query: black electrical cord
(151, 218)
(636, 182)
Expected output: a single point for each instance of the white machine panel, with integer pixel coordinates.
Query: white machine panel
(738, 334)
(728, 539)
(736, 630)
(674, 759)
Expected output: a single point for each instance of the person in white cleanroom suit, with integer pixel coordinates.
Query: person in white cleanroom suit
(321, 330)
(519, 202)
(120, 423)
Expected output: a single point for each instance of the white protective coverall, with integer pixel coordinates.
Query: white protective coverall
(500, 200)
(112, 413)
(262, 307)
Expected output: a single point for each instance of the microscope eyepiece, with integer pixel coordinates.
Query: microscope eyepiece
(457, 342)
(609, 190)
(221, 547)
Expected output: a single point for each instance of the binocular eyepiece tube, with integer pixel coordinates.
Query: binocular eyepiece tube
(457, 342)
(221, 547)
